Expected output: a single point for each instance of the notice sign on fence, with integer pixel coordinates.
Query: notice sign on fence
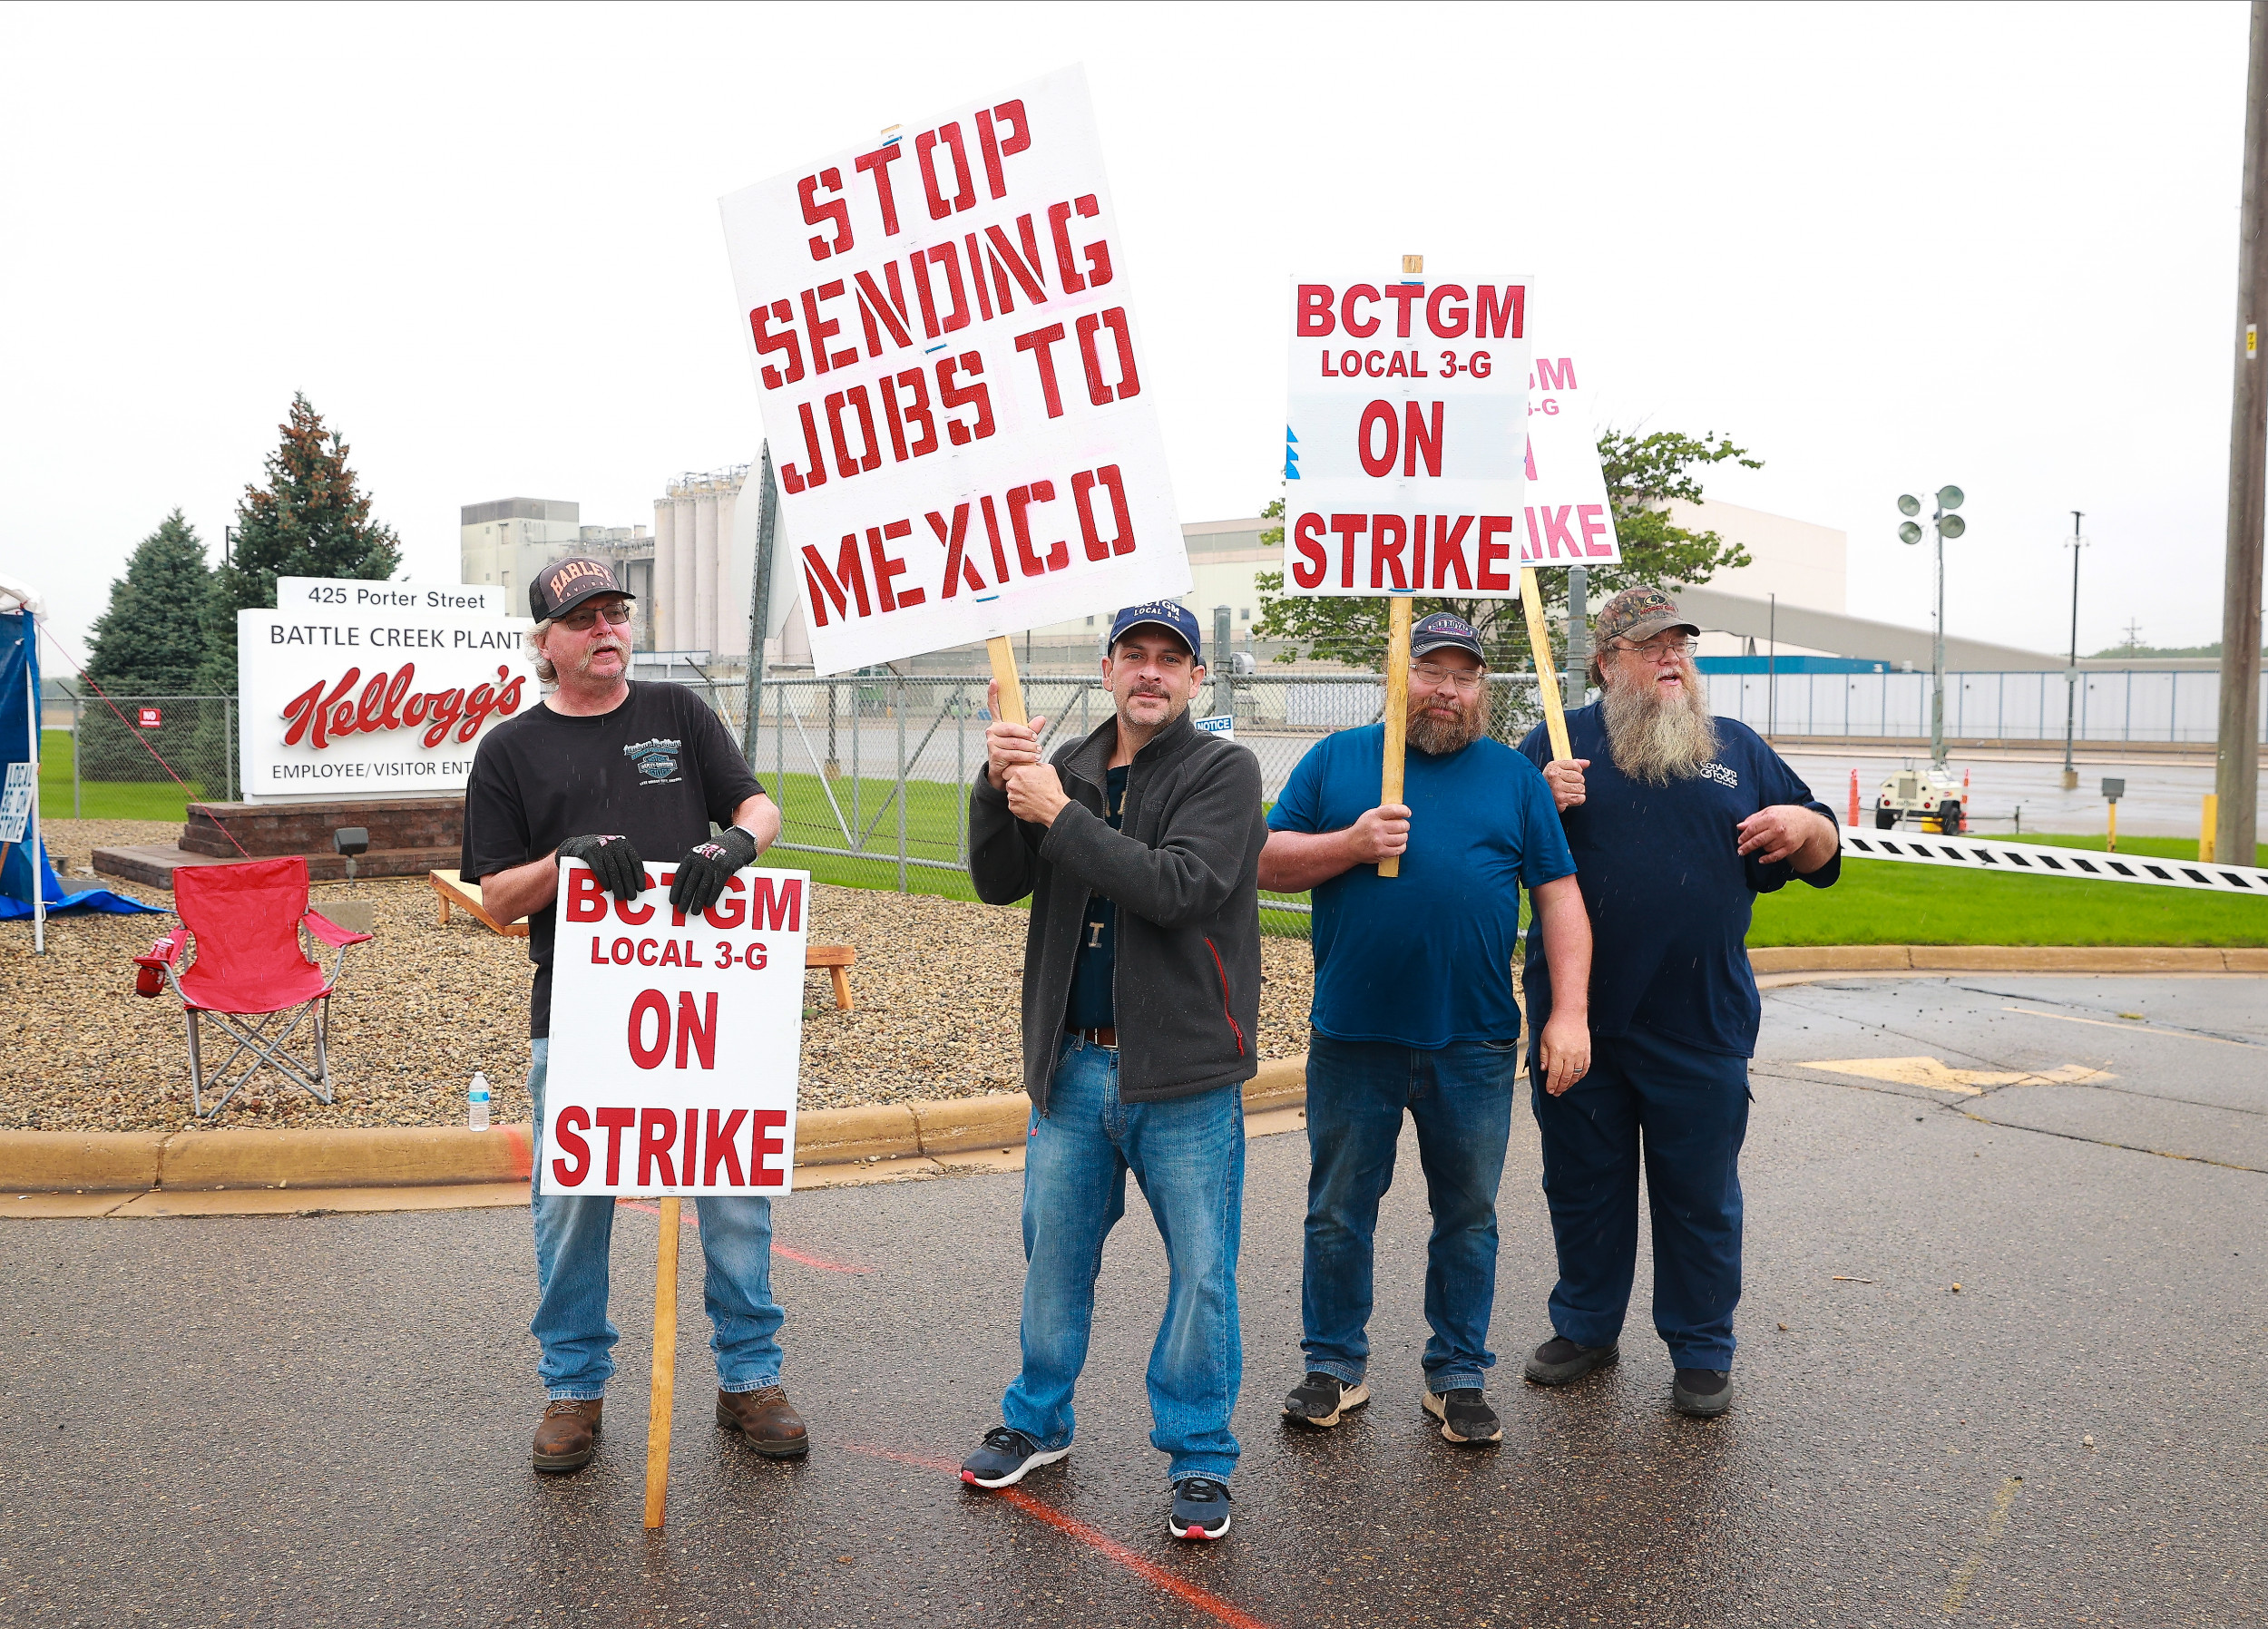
(953, 380)
(1409, 424)
(676, 1040)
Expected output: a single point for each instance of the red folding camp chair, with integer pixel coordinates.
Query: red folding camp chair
(250, 974)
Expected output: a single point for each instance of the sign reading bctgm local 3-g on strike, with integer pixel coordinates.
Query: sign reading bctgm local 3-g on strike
(953, 380)
(350, 688)
(676, 1039)
(1409, 427)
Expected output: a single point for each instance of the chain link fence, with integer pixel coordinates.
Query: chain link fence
(196, 735)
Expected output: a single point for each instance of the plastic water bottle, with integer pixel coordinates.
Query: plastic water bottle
(478, 1097)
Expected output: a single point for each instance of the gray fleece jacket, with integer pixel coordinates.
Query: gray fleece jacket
(1184, 871)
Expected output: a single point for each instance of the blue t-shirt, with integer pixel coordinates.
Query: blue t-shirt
(1094, 997)
(1425, 958)
(1669, 893)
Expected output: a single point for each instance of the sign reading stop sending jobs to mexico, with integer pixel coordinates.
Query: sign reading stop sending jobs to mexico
(676, 1040)
(953, 380)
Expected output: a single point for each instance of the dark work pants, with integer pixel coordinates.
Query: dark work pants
(1685, 1113)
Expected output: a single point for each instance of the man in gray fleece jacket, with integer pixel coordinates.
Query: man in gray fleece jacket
(1141, 848)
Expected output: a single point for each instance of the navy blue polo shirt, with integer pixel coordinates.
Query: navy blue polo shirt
(1425, 958)
(1669, 893)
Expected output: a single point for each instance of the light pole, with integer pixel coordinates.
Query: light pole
(1946, 524)
(2071, 680)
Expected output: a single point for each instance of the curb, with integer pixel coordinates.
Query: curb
(424, 1156)
(2006, 958)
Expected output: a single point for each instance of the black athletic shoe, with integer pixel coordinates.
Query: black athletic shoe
(1322, 1400)
(1199, 1510)
(1004, 1457)
(1559, 1361)
(1465, 1415)
(1702, 1393)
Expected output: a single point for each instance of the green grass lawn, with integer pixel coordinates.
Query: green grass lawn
(1882, 902)
(102, 800)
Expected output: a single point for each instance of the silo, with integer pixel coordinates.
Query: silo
(705, 567)
(731, 619)
(660, 614)
(682, 602)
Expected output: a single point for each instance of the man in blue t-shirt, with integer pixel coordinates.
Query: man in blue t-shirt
(1677, 821)
(1413, 1009)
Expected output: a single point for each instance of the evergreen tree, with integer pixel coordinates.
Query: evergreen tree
(308, 521)
(151, 640)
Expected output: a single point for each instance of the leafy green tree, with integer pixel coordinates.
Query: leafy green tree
(150, 642)
(1645, 471)
(310, 520)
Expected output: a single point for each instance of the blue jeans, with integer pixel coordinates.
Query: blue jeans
(572, 1237)
(1686, 1113)
(1461, 1098)
(1188, 1155)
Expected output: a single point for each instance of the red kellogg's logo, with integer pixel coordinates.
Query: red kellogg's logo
(323, 711)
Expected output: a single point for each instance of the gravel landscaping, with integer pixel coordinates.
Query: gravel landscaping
(425, 1006)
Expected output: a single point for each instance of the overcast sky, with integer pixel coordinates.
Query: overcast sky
(1885, 248)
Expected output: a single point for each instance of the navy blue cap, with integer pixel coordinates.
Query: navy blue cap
(1443, 631)
(1175, 617)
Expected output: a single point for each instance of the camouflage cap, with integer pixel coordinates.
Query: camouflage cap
(1637, 614)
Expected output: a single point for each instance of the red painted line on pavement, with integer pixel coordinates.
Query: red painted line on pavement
(688, 1217)
(1172, 1582)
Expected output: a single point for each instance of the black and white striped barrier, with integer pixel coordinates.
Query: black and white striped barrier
(1969, 854)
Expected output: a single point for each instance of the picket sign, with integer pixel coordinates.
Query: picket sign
(1407, 407)
(2038, 860)
(949, 366)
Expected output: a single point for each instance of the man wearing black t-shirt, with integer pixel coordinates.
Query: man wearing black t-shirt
(1677, 820)
(611, 773)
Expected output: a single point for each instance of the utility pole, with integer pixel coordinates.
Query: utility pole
(1945, 523)
(2237, 772)
(2071, 679)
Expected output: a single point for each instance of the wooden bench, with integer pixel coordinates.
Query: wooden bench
(456, 891)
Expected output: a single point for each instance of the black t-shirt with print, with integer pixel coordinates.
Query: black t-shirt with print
(658, 769)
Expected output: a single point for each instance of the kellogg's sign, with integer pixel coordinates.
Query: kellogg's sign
(359, 688)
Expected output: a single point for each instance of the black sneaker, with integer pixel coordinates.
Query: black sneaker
(1702, 1393)
(1200, 1508)
(1004, 1457)
(1465, 1415)
(1321, 1400)
(1559, 1361)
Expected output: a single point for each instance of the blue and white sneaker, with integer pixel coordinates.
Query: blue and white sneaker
(1200, 1508)
(1004, 1457)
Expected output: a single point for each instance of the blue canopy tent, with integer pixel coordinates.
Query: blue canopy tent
(26, 861)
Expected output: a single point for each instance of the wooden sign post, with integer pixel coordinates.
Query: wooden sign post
(1397, 719)
(1546, 675)
(665, 1363)
(1003, 650)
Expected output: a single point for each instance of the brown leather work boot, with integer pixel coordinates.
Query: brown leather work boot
(567, 1437)
(767, 1419)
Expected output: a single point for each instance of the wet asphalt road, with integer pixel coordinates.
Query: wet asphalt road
(324, 1420)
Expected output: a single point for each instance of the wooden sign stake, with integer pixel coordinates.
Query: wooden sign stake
(1397, 717)
(665, 1364)
(1002, 651)
(1547, 679)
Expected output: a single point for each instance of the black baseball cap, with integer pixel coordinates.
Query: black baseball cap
(1443, 631)
(1173, 617)
(565, 584)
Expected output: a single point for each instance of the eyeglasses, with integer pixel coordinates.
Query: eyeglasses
(617, 615)
(1660, 650)
(1465, 680)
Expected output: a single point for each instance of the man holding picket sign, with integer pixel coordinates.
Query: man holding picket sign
(608, 772)
(1139, 847)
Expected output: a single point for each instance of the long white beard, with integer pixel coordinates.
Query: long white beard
(1656, 740)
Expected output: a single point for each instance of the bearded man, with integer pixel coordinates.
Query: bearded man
(1413, 1012)
(1677, 821)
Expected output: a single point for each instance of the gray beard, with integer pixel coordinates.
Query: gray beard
(1439, 738)
(1658, 741)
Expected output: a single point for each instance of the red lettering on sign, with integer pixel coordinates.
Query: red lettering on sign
(959, 567)
(656, 1134)
(1021, 499)
(727, 913)
(648, 1056)
(1349, 527)
(615, 1121)
(1364, 328)
(1440, 314)
(761, 318)
(1378, 414)
(887, 565)
(1592, 517)
(925, 150)
(976, 395)
(724, 1148)
(575, 1165)
(877, 165)
(1129, 383)
(1314, 560)
(1449, 550)
(1402, 295)
(878, 311)
(1495, 315)
(1039, 343)
(869, 455)
(817, 213)
(764, 1147)
(586, 897)
(823, 329)
(1492, 580)
(1421, 438)
(1311, 311)
(834, 587)
(697, 1030)
(1121, 517)
(1554, 375)
(1386, 554)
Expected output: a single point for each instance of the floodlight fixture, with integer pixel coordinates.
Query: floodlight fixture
(1950, 497)
(1908, 504)
(1908, 533)
(1952, 525)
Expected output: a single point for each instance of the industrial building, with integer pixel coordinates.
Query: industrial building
(507, 540)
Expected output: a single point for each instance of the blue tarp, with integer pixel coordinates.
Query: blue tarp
(19, 681)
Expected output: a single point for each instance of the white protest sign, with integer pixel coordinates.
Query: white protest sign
(1569, 521)
(1409, 409)
(354, 687)
(951, 376)
(675, 1042)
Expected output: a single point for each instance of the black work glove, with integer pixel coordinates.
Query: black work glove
(701, 874)
(615, 861)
